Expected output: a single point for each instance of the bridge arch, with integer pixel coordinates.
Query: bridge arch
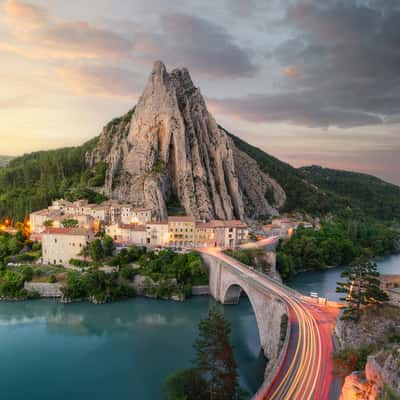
(267, 308)
(226, 286)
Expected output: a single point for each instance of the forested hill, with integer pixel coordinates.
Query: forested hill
(4, 160)
(374, 196)
(301, 194)
(32, 181)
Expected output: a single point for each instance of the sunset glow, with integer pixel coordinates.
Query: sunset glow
(304, 82)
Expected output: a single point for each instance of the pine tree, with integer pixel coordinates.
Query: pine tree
(215, 359)
(362, 287)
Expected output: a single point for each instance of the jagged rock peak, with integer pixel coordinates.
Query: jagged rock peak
(173, 150)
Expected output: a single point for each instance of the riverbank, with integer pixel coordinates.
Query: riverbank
(324, 281)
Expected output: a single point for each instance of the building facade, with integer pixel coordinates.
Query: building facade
(157, 234)
(127, 233)
(181, 231)
(131, 215)
(59, 245)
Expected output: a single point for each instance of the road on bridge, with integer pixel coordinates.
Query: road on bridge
(306, 370)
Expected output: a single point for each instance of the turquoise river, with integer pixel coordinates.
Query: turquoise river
(115, 351)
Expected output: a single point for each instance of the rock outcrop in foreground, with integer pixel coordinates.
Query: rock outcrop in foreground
(379, 329)
(170, 148)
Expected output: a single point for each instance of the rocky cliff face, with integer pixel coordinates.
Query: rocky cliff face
(382, 370)
(170, 147)
(381, 375)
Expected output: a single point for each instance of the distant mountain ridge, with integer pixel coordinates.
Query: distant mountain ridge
(168, 148)
(4, 160)
(376, 197)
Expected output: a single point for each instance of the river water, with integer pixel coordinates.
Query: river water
(115, 351)
(324, 282)
(125, 350)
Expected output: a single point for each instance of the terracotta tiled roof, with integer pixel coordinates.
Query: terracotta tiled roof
(66, 231)
(133, 227)
(234, 223)
(183, 218)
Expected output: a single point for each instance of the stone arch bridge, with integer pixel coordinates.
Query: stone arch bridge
(226, 286)
(300, 366)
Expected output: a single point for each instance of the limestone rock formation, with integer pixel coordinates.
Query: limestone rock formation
(171, 148)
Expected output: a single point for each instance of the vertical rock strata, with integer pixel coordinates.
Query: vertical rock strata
(172, 148)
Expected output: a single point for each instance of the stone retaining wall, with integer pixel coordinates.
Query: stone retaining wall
(45, 289)
(200, 290)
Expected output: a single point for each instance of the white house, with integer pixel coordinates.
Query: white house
(157, 233)
(128, 233)
(59, 245)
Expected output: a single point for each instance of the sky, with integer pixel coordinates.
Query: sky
(308, 81)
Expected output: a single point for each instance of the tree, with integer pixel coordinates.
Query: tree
(127, 272)
(48, 223)
(70, 223)
(96, 250)
(108, 246)
(186, 384)
(215, 359)
(362, 287)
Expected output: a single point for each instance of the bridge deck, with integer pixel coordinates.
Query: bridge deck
(305, 372)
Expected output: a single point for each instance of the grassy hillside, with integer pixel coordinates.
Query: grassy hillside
(4, 160)
(374, 196)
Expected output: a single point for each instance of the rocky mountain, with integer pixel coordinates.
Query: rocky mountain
(170, 147)
(168, 150)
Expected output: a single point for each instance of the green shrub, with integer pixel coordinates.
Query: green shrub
(186, 384)
(127, 272)
(79, 263)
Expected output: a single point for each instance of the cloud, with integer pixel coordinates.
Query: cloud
(339, 67)
(302, 108)
(39, 35)
(347, 55)
(207, 48)
(101, 80)
(17, 12)
(204, 47)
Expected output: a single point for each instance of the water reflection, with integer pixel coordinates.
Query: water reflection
(117, 350)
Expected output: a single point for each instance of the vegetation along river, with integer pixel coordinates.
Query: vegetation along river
(121, 350)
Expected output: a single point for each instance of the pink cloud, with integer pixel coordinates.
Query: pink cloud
(39, 35)
(100, 81)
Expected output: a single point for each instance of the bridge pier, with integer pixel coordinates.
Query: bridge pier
(226, 286)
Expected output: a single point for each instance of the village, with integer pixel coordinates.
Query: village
(65, 228)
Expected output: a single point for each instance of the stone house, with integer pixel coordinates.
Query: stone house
(157, 233)
(131, 215)
(204, 235)
(181, 231)
(127, 233)
(59, 245)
